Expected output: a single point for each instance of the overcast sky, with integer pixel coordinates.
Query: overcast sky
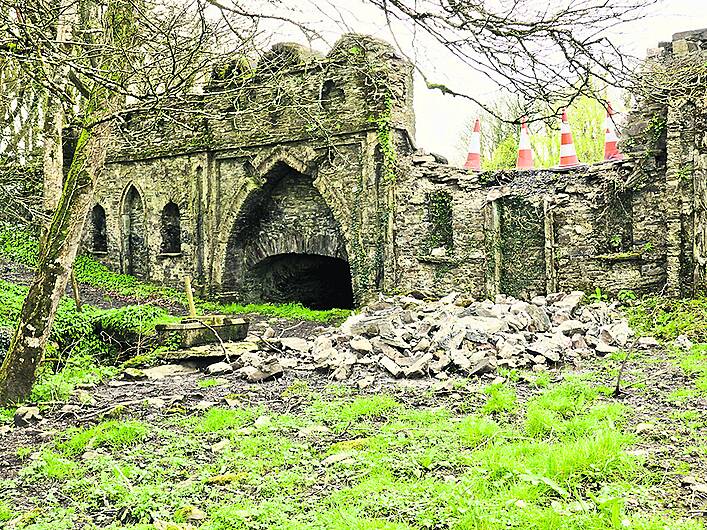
(441, 119)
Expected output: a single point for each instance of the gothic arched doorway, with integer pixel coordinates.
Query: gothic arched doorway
(286, 246)
(136, 255)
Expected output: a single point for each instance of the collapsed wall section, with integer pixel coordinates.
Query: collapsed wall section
(529, 233)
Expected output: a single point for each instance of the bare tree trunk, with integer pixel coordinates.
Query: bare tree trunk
(57, 253)
(53, 160)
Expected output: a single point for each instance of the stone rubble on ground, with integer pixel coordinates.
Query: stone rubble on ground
(405, 336)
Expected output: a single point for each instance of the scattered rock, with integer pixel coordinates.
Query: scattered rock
(390, 365)
(296, 344)
(27, 415)
(219, 368)
(361, 344)
(414, 336)
(648, 343)
(133, 374)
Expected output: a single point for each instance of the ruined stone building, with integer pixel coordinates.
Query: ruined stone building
(299, 180)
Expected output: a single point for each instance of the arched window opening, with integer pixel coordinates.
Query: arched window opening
(171, 230)
(99, 233)
(330, 94)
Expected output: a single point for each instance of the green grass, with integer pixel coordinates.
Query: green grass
(667, 318)
(363, 462)
(500, 398)
(210, 382)
(6, 512)
(113, 434)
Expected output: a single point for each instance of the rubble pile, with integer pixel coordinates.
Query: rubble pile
(410, 337)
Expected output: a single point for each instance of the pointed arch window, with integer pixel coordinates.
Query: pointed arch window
(99, 233)
(171, 229)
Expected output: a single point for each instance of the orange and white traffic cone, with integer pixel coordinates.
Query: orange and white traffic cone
(525, 153)
(473, 159)
(611, 151)
(568, 154)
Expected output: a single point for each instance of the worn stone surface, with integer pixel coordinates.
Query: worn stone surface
(260, 201)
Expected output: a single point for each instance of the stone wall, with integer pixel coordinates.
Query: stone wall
(299, 180)
(290, 157)
(529, 233)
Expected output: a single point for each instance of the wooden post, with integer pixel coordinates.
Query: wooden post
(75, 291)
(190, 297)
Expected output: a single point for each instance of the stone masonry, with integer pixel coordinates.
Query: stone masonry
(299, 180)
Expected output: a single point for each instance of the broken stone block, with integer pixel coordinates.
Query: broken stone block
(133, 374)
(295, 344)
(361, 345)
(219, 368)
(440, 363)
(269, 370)
(484, 325)
(27, 415)
(570, 327)
(460, 359)
(482, 367)
(422, 345)
(390, 365)
(604, 347)
(648, 342)
(620, 332)
(539, 319)
(419, 367)
(570, 301)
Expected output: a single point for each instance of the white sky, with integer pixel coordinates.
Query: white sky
(442, 119)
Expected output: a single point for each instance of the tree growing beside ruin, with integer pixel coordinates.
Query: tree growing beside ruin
(91, 60)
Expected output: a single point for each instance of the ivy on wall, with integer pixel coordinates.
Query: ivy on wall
(440, 233)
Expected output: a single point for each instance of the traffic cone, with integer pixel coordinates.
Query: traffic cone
(473, 159)
(525, 153)
(568, 154)
(611, 151)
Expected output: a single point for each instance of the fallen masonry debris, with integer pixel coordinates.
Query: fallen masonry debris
(405, 336)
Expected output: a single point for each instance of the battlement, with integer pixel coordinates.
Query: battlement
(291, 94)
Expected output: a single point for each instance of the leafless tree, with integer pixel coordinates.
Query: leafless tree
(92, 60)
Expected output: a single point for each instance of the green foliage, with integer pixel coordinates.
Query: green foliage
(113, 434)
(6, 512)
(439, 217)
(294, 311)
(385, 140)
(209, 382)
(626, 296)
(500, 138)
(667, 318)
(218, 419)
(597, 296)
(52, 466)
(19, 244)
(501, 398)
(503, 156)
(385, 465)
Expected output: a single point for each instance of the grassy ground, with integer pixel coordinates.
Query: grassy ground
(528, 451)
(485, 457)
(20, 246)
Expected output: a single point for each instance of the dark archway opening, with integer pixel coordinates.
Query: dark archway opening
(135, 244)
(99, 233)
(171, 229)
(317, 282)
